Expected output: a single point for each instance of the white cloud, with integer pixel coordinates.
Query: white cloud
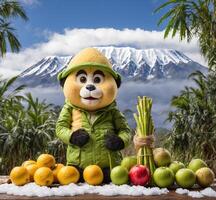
(72, 40)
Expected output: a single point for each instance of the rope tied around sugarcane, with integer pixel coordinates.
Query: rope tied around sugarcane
(140, 142)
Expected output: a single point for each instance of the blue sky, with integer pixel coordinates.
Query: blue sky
(64, 27)
(46, 16)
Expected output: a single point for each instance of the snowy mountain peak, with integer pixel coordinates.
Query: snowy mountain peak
(131, 63)
(148, 56)
(49, 65)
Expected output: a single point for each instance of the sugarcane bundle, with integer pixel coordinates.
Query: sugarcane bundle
(144, 138)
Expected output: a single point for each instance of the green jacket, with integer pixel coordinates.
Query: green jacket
(107, 120)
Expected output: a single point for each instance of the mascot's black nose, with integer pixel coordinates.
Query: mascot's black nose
(90, 87)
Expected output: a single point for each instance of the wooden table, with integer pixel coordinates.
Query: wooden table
(172, 195)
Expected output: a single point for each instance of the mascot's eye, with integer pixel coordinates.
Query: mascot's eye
(98, 79)
(82, 79)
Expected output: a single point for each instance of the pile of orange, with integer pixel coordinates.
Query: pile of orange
(44, 172)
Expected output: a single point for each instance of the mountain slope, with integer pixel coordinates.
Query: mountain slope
(132, 64)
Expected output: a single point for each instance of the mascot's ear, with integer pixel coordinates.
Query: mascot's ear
(62, 81)
(118, 81)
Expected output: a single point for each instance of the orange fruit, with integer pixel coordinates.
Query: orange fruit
(56, 170)
(19, 176)
(93, 175)
(46, 160)
(28, 162)
(43, 176)
(31, 170)
(67, 175)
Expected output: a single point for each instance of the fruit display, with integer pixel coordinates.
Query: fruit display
(119, 175)
(129, 172)
(45, 171)
(140, 175)
(164, 177)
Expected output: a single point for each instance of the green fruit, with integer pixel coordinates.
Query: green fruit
(196, 164)
(185, 178)
(119, 175)
(162, 157)
(205, 176)
(163, 177)
(129, 162)
(175, 166)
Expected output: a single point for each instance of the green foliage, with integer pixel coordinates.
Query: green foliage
(27, 127)
(193, 18)
(9, 9)
(194, 121)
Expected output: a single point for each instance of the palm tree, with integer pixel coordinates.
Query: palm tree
(9, 9)
(191, 19)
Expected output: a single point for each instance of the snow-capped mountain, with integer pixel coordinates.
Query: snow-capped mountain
(131, 63)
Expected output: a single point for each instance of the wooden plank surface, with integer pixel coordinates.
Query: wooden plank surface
(170, 196)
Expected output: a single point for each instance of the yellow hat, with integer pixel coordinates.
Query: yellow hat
(88, 57)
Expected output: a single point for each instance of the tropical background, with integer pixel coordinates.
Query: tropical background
(27, 119)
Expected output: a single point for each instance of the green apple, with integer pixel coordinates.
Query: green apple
(196, 164)
(185, 178)
(129, 162)
(162, 157)
(205, 176)
(163, 177)
(175, 166)
(119, 175)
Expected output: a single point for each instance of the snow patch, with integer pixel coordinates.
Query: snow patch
(195, 194)
(209, 192)
(182, 191)
(32, 189)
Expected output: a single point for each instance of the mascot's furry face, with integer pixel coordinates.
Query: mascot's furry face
(90, 88)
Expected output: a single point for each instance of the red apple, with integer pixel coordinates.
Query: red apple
(139, 175)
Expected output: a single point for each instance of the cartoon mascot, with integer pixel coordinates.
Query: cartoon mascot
(90, 123)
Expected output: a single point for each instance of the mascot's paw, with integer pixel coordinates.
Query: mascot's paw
(79, 137)
(113, 142)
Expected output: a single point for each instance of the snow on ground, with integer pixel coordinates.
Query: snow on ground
(209, 192)
(32, 189)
